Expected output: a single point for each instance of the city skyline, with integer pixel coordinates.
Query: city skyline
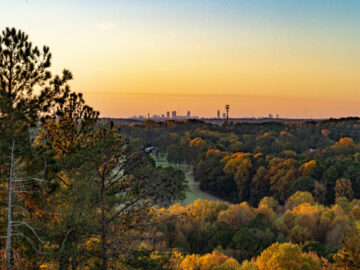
(173, 114)
(206, 106)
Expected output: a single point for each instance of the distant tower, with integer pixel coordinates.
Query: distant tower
(148, 115)
(224, 115)
(218, 114)
(173, 114)
(227, 108)
(168, 115)
(188, 114)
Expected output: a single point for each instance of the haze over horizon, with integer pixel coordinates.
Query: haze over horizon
(300, 59)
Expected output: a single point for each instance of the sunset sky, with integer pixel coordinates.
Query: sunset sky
(298, 58)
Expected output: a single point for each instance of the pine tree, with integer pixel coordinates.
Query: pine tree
(24, 68)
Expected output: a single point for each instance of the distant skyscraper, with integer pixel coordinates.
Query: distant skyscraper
(173, 114)
(227, 108)
(218, 114)
(224, 115)
(167, 115)
(277, 115)
(270, 115)
(188, 114)
(148, 115)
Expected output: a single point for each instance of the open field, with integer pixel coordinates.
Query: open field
(194, 193)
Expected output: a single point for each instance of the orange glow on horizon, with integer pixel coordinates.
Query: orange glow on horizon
(115, 104)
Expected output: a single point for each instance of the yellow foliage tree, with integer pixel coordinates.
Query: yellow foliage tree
(205, 210)
(269, 201)
(281, 173)
(238, 165)
(198, 142)
(298, 198)
(346, 141)
(307, 168)
(229, 264)
(213, 153)
(246, 265)
(267, 211)
(286, 256)
(174, 261)
(191, 262)
(237, 215)
(209, 261)
(356, 212)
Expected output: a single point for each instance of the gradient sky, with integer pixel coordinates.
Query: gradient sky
(298, 58)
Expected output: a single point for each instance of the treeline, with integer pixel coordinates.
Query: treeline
(300, 235)
(298, 184)
(245, 162)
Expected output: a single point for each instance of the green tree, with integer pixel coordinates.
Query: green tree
(24, 68)
(245, 242)
(303, 183)
(348, 258)
(125, 194)
(343, 188)
(175, 154)
(66, 137)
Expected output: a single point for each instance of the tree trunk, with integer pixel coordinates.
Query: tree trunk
(103, 227)
(9, 226)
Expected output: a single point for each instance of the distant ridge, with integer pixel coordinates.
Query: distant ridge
(219, 121)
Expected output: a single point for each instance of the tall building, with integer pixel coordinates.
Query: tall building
(218, 114)
(188, 114)
(173, 114)
(227, 108)
(168, 115)
(224, 115)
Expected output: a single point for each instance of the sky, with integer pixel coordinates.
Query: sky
(295, 58)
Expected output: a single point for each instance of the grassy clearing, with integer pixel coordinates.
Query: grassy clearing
(194, 193)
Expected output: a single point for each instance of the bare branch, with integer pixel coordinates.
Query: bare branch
(29, 241)
(22, 208)
(63, 243)
(19, 223)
